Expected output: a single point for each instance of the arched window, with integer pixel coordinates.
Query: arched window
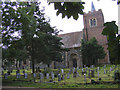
(93, 22)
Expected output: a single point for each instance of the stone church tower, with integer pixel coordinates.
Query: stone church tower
(93, 27)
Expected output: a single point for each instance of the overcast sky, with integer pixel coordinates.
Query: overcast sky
(109, 8)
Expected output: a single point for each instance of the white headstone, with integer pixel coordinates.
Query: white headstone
(62, 71)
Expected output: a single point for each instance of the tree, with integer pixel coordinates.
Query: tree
(69, 9)
(38, 38)
(111, 30)
(91, 52)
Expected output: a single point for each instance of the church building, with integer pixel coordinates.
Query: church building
(93, 27)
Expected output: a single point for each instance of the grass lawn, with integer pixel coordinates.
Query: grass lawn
(77, 82)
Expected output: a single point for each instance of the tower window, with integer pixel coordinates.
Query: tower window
(93, 22)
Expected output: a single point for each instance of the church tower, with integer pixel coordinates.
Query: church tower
(93, 27)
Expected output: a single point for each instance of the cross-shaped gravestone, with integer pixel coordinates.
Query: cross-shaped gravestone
(68, 75)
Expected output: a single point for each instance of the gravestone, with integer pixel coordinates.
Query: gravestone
(34, 75)
(98, 74)
(8, 72)
(98, 68)
(116, 75)
(104, 71)
(25, 75)
(52, 76)
(85, 77)
(6, 76)
(92, 73)
(59, 77)
(18, 75)
(62, 77)
(2, 72)
(74, 74)
(68, 75)
(62, 71)
(47, 75)
(73, 69)
(110, 69)
(41, 76)
(89, 75)
(23, 71)
(78, 75)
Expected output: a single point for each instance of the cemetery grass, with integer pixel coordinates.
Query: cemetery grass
(77, 82)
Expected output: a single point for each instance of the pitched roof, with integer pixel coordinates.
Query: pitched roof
(71, 40)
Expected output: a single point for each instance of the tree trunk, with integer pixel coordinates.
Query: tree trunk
(33, 67)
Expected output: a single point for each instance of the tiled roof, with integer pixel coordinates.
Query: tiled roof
(71, 40)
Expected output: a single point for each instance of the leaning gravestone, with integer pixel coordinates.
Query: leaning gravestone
(59, 77)
(68, 75)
